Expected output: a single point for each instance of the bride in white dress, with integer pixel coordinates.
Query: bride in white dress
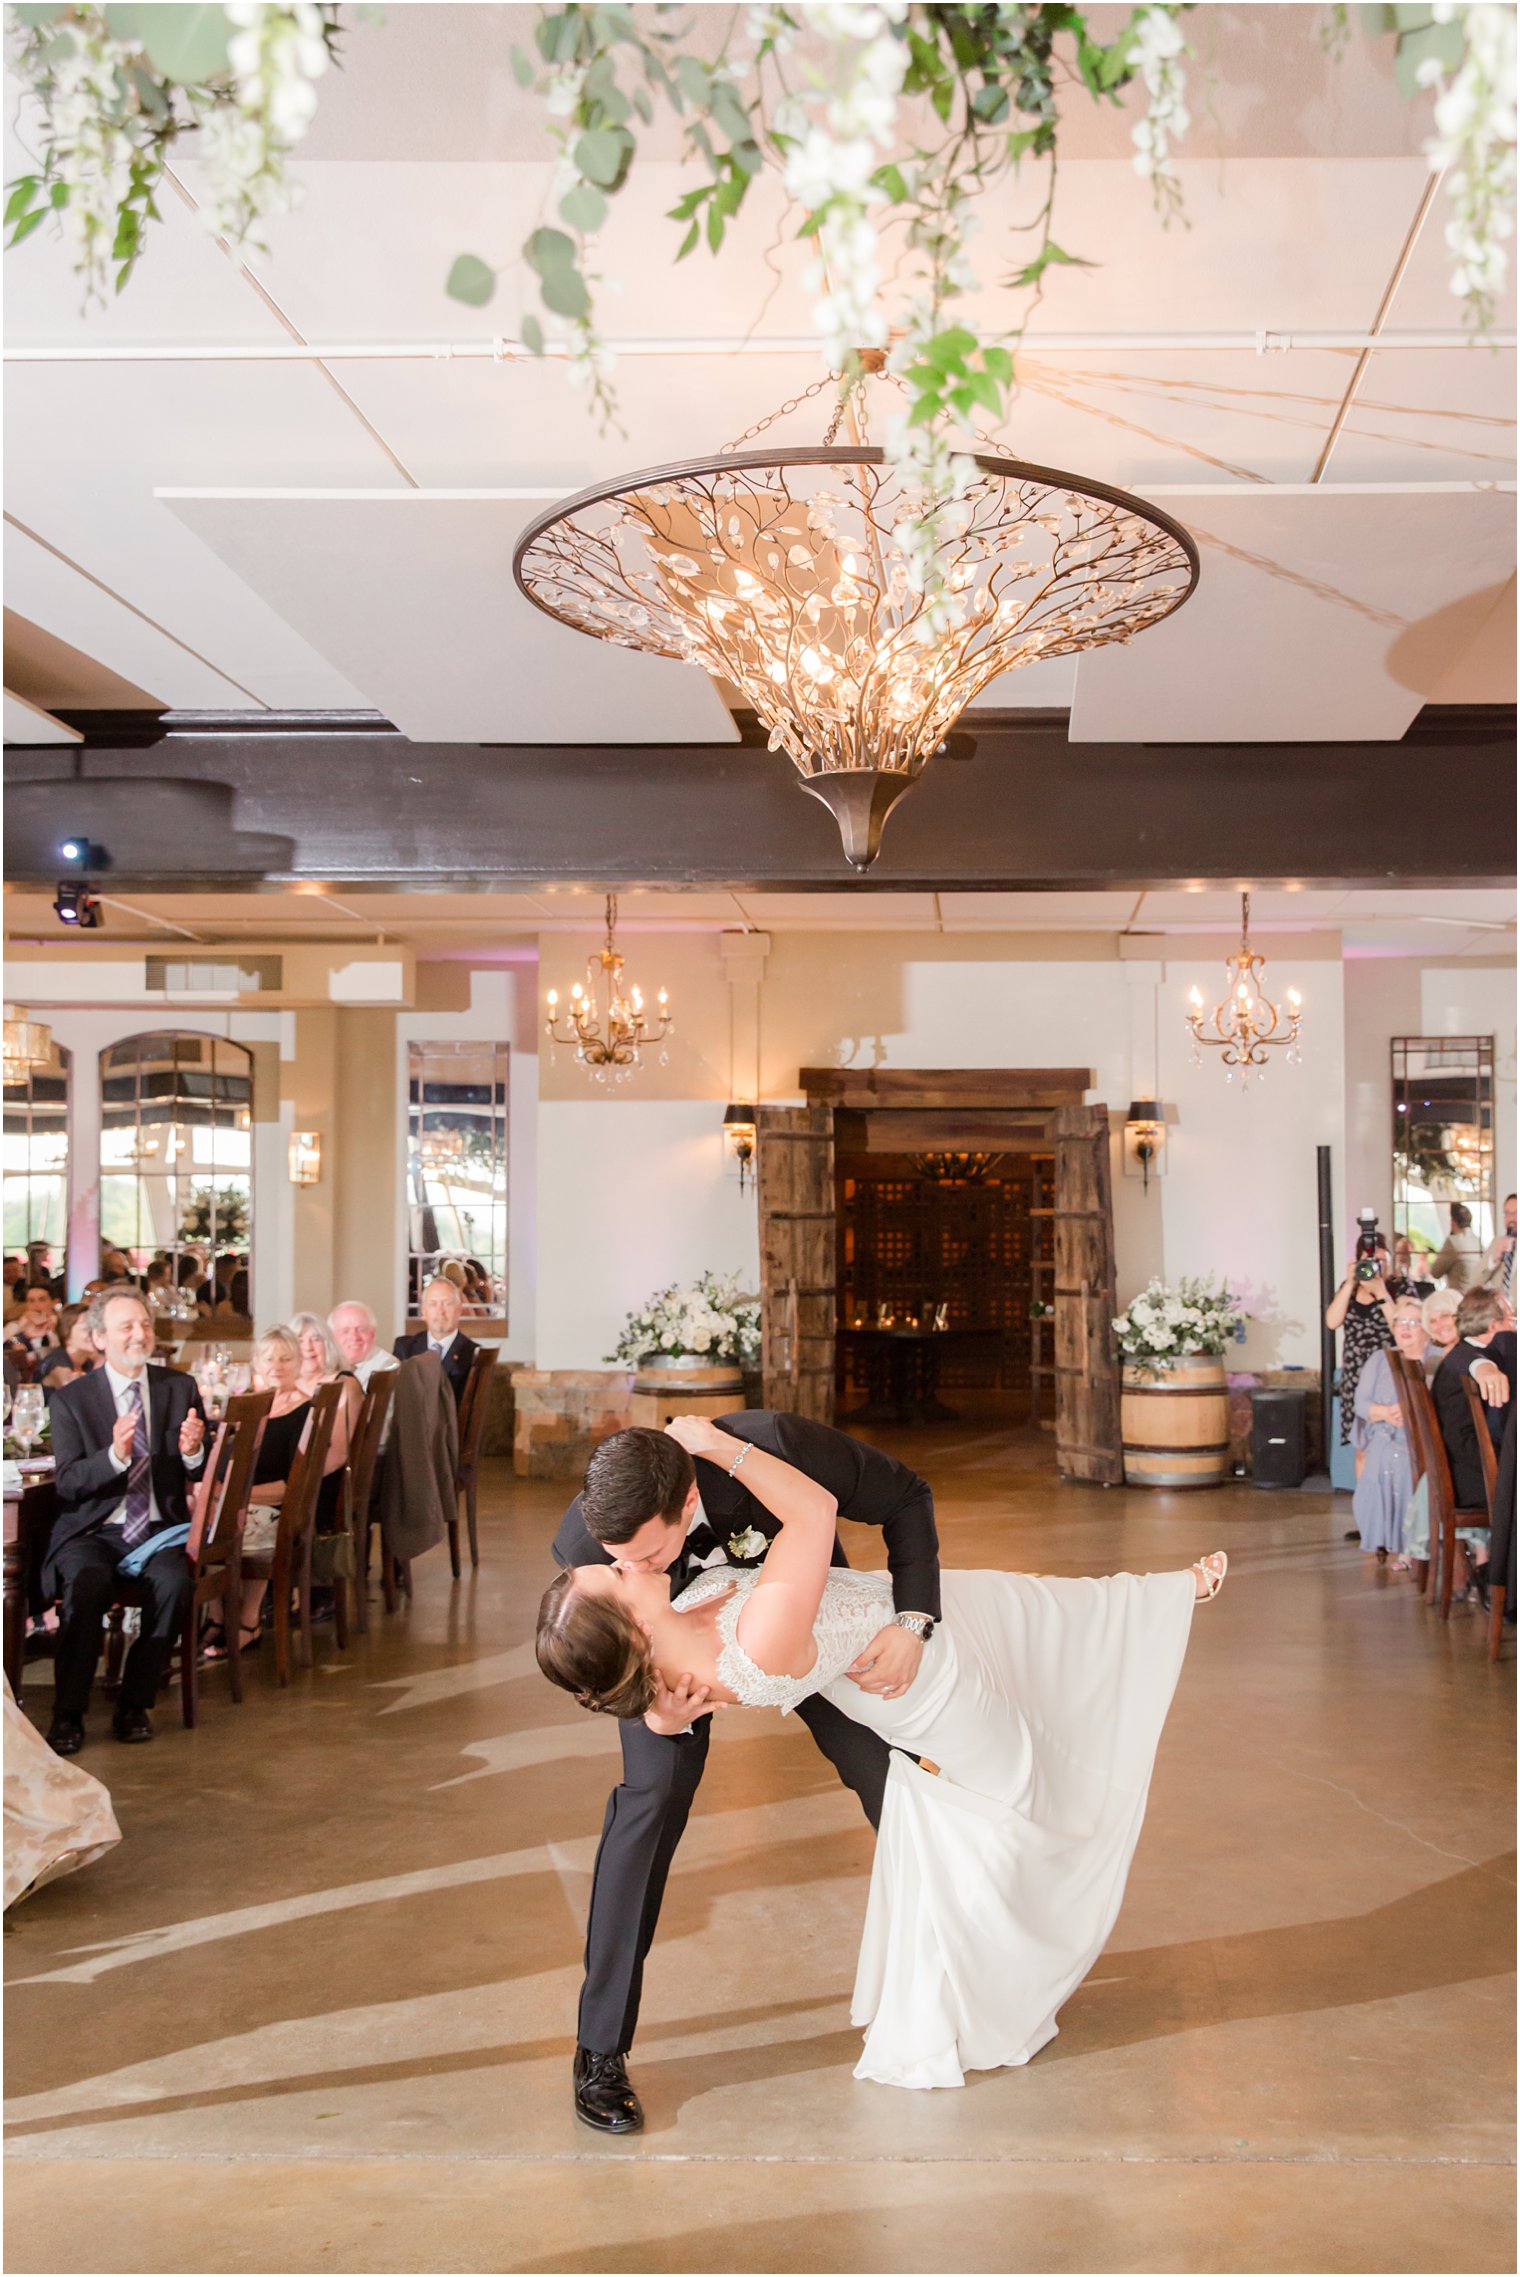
(1035, 1714)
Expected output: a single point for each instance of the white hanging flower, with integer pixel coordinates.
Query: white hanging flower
(1157, 53)
(1474, 144)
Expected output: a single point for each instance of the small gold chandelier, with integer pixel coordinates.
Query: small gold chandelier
(1245, 1025)
(612, 1037)
(28, 1045)
(784, 574)
(955, 1169)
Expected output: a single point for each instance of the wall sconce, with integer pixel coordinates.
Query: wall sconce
(739, 1131)
(305, 1158)
(1145, 1140)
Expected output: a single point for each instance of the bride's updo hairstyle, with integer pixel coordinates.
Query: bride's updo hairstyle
(594, 1648)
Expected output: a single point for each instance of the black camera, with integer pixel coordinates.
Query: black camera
(1369, 1245)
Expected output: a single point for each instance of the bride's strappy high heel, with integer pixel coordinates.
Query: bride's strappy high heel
(1211, 1570)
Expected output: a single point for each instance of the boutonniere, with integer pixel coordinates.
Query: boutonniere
(747, 1546)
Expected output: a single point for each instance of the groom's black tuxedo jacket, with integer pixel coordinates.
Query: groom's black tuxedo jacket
(869, 1487)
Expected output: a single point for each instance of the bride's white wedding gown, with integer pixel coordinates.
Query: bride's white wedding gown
(997, 1877)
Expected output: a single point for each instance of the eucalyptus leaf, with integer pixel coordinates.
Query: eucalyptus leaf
(33, 16)
(471, 280)
(550, 249)
(564, 290)
(532, 335)
(584, 208)
(748, 157)
(186, 44)
(600, 155)
(1446, 42)
(522, 67)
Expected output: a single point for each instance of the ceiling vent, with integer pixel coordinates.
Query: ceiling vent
(215, 976)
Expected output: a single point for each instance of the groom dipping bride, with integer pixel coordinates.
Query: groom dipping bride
(1003, 1751)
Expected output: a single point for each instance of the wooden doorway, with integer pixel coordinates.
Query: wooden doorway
(1035, 1111)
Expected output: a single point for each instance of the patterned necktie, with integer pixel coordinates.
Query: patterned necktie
(1508, 1271)
(437, 1347)
(139, 1520)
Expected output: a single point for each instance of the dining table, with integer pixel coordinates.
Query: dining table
(31, 1505)
(901, 1367)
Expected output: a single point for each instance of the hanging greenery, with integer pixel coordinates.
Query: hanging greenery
(888, 124)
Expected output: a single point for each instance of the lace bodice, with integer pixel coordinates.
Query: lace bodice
(855, 1607)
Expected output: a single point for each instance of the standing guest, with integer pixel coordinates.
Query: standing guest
(1461, 1257)
(128, 1441)
(39, 1268)
(15, 1279)
(441, 1308)
(1499, 1264)
(1386, 1480)
(75, 1355)
(33, 1334)
(1363, 1310)
(355, 1329)
(1440, 1315)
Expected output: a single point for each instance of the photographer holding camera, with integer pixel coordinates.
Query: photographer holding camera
(1362, 1308)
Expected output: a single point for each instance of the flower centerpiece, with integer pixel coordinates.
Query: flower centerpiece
(703, 1326)
(1164, 1325)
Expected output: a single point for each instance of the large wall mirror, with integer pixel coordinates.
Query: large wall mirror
(456, 1174)
(1443, 1147)
(176, 1173)
(36, 1166)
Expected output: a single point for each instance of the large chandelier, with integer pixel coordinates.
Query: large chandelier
(28, 1045)
(1245, 1025)
(781, 573)
(609, 1036)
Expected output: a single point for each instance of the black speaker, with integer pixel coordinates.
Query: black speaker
(1278, 1431)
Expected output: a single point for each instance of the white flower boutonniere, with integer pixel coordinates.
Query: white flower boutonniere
(750, 1544)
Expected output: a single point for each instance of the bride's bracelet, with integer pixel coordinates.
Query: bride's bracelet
(739, 1458)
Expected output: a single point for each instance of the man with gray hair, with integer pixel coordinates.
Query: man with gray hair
(441, 1333)
(355, 1329)
(1484, 1338)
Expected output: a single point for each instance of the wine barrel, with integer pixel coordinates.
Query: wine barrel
(1175, 1422)
(675, 1384)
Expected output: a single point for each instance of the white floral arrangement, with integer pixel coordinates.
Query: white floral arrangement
(1175, 1324)
(710, 1321)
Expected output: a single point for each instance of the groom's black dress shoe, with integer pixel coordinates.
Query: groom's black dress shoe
(603, 2097)
(132, 1726)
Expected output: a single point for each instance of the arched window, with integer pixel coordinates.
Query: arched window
(176, 1167)
(36, 1164)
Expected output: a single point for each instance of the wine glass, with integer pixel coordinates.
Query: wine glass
(5, 1405)
(26, 1416)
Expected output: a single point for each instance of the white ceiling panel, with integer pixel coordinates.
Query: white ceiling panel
(409, 595)
(28, 723)
(57, 596)
(1431, 415)
(1319, 612)
(869, 912)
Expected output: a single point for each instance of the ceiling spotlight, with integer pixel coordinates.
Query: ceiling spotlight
(76, 905)
(84, 852)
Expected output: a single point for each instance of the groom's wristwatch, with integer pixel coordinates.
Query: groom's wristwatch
(920, 1625)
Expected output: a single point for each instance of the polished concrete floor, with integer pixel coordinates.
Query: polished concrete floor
(316, 2012)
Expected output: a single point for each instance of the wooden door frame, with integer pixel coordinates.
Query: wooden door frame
(1040, 1094)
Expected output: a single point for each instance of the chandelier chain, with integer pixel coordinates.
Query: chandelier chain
(783, 411)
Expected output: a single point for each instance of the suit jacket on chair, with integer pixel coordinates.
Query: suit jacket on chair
(869, 1487)
(456, 1361)
(89, 1486)
(421, 1459)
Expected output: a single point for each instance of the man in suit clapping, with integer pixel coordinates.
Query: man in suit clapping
(128, 1441)
(441, 1308)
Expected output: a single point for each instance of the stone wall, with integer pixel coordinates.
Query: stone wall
(561, 1414)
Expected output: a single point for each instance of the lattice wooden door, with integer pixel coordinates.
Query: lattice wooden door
(795, 1190)
(1088, 1445)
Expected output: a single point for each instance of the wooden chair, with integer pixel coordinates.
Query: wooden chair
(1400, 1367)
(473, 1404)
(287, 1566)
(216, 1542)
(359, 1489)
(1489, 1462)
(1445, 1516)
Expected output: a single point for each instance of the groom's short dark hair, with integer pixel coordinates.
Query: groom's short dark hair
(632, 1477)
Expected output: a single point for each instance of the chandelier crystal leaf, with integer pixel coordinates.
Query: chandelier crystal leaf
(1245, 1025)
(605, 1018)
(786, 574)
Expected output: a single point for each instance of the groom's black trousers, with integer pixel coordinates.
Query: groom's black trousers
(646, 1817)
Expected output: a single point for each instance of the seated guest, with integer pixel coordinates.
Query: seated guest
(441, 1308)
(355, 1329)
(75, 1354)
(1481, 1336)
(1385, 1481)
(128, 1441)
(158, 1285)
(33, 1334)
(322, 1363)
(277, 1368)
(188, 1277)
(39, 1269)
(115, 1265)
(1440, 1315)
(1460, 1258)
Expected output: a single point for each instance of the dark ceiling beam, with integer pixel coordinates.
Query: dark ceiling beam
(348, 801)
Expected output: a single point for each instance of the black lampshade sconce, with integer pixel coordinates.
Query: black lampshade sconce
(1145, 1140)
(739, 1131)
